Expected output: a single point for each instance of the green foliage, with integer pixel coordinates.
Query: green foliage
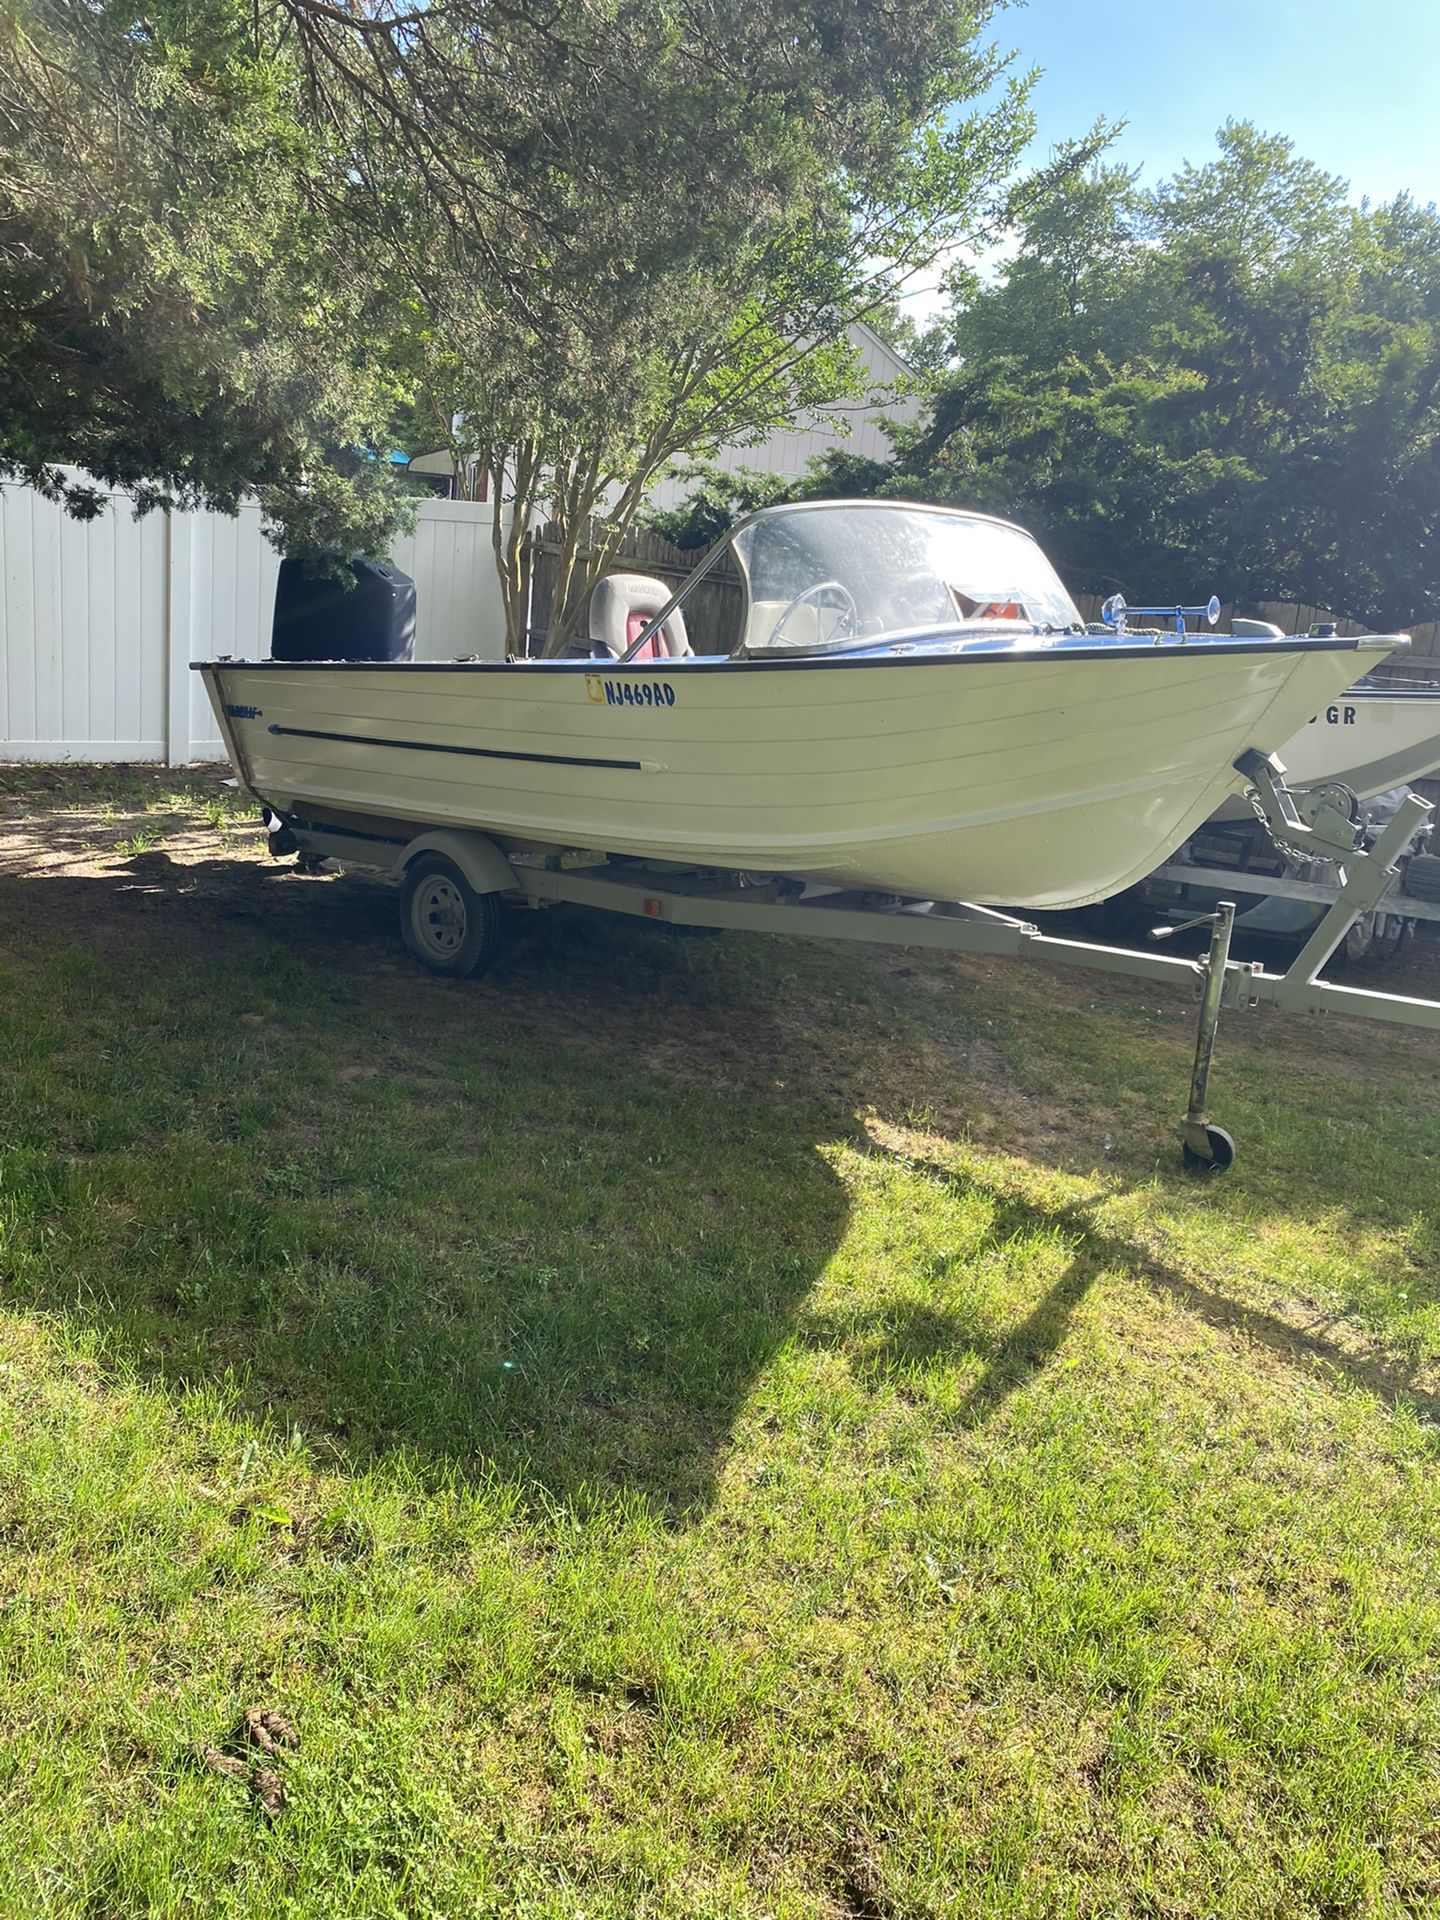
(761, 227)
(1230, 383)
(571, 242)
(925, 350)
(720, 498)
(171, 318)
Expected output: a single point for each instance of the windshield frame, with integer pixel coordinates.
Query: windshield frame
(726, 544)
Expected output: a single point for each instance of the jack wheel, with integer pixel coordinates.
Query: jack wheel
(1220, 1156)
(446, 924)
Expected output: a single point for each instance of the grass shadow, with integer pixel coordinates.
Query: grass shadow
(547, 1226)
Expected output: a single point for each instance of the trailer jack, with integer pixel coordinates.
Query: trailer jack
(1206, 1147)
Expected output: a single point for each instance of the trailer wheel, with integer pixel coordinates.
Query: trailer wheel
(1220, 1156)
(445, 923)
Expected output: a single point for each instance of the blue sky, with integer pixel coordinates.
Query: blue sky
(1358, 91)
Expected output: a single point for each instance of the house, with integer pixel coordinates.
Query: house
(854, 425)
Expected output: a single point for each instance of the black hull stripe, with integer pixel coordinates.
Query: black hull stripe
(472, 753)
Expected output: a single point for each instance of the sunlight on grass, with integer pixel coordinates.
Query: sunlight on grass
(688, 1428)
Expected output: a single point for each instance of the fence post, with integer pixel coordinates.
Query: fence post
(179, 585)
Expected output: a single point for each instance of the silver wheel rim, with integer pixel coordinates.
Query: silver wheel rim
(437, 913)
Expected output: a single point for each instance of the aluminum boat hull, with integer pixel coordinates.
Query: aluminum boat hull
(1043, 779)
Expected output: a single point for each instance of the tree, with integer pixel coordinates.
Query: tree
(1071, 289)
(583, 236)
(719, 498)
(925, 349)
(1230, 382)
(171, 315)
(826, 164)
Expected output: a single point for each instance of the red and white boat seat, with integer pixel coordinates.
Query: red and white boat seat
(622, 606)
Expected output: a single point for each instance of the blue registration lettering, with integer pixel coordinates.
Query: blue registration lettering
(636, 693)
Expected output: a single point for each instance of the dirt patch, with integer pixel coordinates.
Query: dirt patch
(102, 863)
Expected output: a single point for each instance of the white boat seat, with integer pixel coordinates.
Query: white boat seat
(622, 606)
(803, 629)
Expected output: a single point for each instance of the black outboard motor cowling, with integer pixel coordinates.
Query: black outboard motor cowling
(320, 618)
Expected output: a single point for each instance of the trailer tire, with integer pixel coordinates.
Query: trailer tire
(1421, 876)
(446, 924)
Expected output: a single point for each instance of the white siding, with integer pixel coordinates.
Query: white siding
(100, 619)
(851, 425)
(83, 624)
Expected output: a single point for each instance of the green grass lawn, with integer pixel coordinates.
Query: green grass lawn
(686, 1427)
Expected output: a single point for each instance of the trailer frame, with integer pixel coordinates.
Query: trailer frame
(474, 867)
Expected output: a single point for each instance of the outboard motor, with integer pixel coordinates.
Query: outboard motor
(369, 617)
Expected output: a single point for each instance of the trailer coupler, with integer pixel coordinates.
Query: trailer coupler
(1319, 823)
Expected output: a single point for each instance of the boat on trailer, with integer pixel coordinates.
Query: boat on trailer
(910, 704)
(912, 714)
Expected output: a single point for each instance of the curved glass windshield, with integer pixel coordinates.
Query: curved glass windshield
(822, 577)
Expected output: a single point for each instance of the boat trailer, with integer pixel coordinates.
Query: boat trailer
(458, 881)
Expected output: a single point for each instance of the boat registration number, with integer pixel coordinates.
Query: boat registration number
(629, 693)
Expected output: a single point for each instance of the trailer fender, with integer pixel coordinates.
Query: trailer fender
(478, 858)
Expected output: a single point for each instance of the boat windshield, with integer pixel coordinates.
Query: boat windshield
(822, 577)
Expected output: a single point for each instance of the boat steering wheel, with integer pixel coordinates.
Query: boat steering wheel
(847, 609)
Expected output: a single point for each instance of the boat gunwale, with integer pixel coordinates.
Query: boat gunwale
(1195, 648)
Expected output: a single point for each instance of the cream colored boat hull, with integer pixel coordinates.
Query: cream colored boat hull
(1045, 780)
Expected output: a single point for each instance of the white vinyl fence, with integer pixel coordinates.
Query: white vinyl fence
(100, 619)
